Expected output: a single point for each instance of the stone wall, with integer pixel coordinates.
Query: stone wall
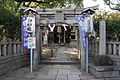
(116, 59)
(112, 50)
(12, 57)
(10, 63)
(105, 72)
(104, 69)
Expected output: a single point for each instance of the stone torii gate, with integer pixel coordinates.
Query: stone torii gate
(55, 16)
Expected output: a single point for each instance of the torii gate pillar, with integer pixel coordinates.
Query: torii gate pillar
(37, 50)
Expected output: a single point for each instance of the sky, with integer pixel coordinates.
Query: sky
(90, 3)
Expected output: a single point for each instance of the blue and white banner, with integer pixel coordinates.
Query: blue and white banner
(80, 21)
(24, 34)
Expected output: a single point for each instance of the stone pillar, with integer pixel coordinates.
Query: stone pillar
(93, 48)
(110, 49)
(14, 48)
(76, 34)
(96, 47)
(36, 51)
(64, 36)
(119, 49)
(18, 48)
(45, 37)
(78, 40)
(40, 45)
(82, 55)
(10, 47)
(89, 47)
(0, 51)
(102, 41)
(22, 50)
(59, 38)
(114, 49)
(4, 50)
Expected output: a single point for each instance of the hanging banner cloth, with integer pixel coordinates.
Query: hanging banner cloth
(80, 21)
(24, 34)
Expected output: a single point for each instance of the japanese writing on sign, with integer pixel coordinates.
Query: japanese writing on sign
(80, 21)
(27, 29)
(31, 42)
(24, 33)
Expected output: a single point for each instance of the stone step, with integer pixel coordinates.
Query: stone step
(59, 62)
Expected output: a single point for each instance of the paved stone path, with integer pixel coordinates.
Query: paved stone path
(50, 71)
(46, 72)
(60, 55)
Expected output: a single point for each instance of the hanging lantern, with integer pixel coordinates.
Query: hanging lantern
(74, 29)
(59, 29)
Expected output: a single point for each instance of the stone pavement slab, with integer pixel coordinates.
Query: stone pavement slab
(87, 76)
(60, 72)
(73, 77)
(61, 77)
(64, 72)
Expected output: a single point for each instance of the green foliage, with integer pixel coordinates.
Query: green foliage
(9, 19)
(55, 4)
(112, 24)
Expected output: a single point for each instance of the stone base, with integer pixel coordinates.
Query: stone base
(105, 72)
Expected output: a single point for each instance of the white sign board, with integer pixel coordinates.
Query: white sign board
(88, 24)
(31, 42)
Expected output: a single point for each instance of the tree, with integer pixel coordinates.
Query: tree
(113, 4)
(51, 3)
(112, 24)
(9, 19)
